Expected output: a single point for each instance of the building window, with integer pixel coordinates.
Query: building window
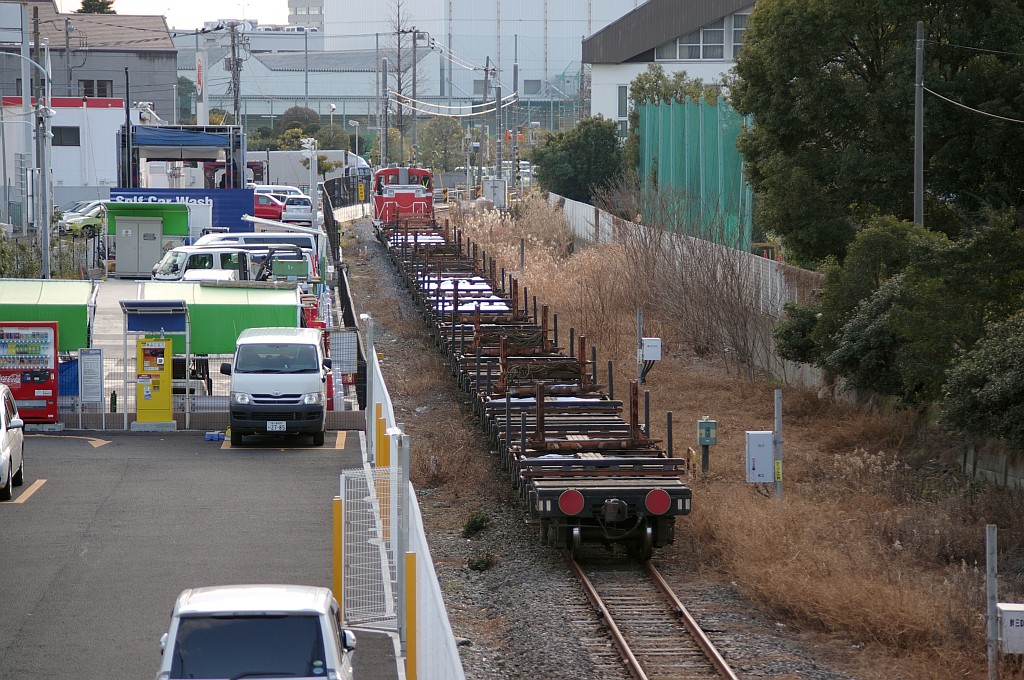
(315, 10)
(623, 101)
(623, 129)
(739, 27)
(301, 10)
(531, 87)
(712, 39)
(96, 88)
(705, 43)
(66, 136)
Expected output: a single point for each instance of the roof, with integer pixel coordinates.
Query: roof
(637, 33)
(281, 334)
(254, 598)
(121, 32)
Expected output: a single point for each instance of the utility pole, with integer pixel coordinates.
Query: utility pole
(305, 36)
(415, 35)
(67, 53)
(235, 67)
(384, 98)
(919, 127)
(483, 140)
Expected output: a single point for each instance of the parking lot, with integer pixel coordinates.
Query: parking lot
(110, 527)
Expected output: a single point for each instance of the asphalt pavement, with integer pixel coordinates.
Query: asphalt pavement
(110, 527)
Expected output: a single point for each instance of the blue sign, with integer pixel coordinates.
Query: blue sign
(228, 204)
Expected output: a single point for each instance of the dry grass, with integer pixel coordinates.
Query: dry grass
(879, 538)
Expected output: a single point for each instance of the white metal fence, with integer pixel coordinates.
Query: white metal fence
(381, 525)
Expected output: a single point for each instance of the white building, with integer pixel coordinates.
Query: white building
(701, 37)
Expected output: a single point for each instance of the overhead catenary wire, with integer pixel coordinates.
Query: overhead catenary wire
(406, 99)
(507, 101)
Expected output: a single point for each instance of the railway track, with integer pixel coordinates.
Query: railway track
(655, 634)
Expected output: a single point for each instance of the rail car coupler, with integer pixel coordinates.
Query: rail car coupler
(615, 510)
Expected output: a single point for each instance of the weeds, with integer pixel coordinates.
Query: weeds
(880, 538)
(482, 562)
(477, 522)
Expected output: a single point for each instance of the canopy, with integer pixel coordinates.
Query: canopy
(218, 312)
(71, 304)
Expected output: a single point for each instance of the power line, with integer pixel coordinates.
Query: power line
(964, 106)
(975, 49)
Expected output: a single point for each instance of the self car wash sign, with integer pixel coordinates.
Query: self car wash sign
(228, 204)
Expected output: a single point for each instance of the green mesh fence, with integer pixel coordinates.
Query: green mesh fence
(691, 147)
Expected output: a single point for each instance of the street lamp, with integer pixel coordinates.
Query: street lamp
(332, 114)
(355, 124)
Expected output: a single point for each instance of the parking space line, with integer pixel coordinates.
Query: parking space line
(29, 491)
(339, 443)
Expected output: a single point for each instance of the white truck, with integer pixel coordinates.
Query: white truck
(279, 383)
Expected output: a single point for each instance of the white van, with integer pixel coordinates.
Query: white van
(256, 630)
(314, 242)
(199, 263)
(279, 383)
(284, 189)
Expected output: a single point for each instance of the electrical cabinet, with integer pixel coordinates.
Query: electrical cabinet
(760, 456)
(1011, 627)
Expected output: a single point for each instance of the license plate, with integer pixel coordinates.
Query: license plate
(276, 426)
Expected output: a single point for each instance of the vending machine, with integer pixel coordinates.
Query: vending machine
(28, 365)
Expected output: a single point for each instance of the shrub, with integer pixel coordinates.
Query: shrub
(476, 523)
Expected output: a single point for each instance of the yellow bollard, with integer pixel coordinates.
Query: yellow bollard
(410, 616)
(339, 555)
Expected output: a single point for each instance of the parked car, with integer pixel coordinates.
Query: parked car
(284, 189)
(89, 223)
(267, 206)
(256, 631)
(298, 209)
(12, 445)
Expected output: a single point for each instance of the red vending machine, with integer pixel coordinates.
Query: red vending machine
(28, 365)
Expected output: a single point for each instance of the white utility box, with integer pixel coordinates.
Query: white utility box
(651, 349)
(760, 456)
(1011, 627)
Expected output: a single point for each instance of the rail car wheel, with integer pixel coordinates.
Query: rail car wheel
(643, 548)
(576, 543)
(545, 525)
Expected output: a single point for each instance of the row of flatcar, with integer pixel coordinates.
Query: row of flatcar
(581, 459)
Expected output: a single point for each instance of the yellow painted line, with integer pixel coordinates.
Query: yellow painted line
(339, 443)
(96, 442)
(29, 491)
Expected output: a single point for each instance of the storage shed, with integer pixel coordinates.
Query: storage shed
(219, 311)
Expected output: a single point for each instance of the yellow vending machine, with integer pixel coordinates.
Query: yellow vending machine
(153, 387)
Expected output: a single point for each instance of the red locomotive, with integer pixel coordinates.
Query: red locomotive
(402, 194)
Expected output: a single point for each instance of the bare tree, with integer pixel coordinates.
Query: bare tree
(400, 62)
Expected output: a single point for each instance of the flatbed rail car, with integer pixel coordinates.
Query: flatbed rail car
(587, 473)
(403, 194)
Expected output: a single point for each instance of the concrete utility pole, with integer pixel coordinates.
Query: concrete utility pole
(236, 73)
(67, 53)
(415, 35)
(386, 104)
(919, 127)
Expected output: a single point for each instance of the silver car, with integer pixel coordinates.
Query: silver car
(298, 209)
(12, 445)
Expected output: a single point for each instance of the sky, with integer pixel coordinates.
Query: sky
(190, 14)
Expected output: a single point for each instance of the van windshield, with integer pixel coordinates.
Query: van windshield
(261, 645)
(171, 264)
(276, 358)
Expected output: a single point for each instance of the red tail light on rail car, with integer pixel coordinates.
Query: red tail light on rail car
(570, 502)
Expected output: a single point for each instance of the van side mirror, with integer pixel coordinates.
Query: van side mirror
(225, 368)
(328, 363)
(348, 640)
(163, 643)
